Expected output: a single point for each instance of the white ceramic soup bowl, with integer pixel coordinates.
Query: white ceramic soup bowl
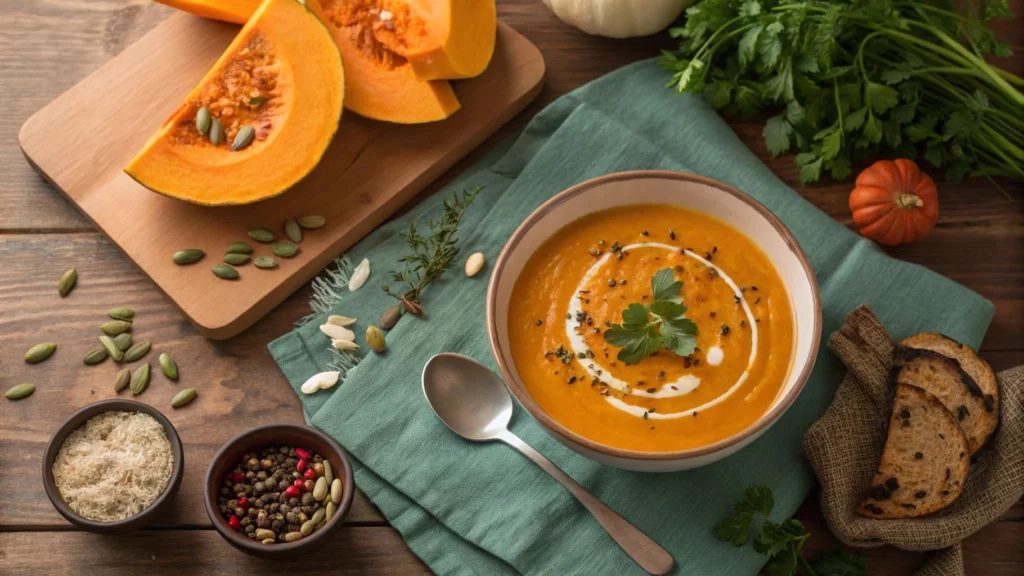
(686, 191)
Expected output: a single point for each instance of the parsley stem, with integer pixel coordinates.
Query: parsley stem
(722, 28)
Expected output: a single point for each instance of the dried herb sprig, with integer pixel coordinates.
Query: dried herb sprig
(431, 253)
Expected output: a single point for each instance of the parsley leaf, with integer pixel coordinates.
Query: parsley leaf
(776, 135)
(839, 563)
(647, 328)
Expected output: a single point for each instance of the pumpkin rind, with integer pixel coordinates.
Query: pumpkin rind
(295, 126)
(236, 11)
(893, 202)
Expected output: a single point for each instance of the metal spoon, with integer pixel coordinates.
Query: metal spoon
(472, 401)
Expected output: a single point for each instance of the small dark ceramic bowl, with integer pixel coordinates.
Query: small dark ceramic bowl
(73, 423)
(277, 435)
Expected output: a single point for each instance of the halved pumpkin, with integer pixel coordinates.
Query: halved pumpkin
(282, 77)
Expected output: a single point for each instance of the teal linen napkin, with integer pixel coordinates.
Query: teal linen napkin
(484, 509)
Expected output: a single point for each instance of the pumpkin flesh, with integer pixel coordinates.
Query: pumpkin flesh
(283, 76)
(460, 42)
(236, 11)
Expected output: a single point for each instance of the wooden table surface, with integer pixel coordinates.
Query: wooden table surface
(46, 46)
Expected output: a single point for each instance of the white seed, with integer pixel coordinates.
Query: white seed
(336, 490)
(321, 381)
(359, 276)
(341, 320)
(338, 332)
(474, 264)
(344, 345)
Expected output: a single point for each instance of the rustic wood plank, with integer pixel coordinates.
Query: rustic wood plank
(365, 550)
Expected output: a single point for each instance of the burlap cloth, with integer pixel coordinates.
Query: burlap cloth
(845, 445)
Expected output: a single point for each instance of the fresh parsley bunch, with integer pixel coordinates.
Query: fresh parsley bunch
(852, 80)
(646, 328)
(782, 543)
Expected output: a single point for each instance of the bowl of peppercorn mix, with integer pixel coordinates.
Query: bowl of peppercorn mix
(276, 491)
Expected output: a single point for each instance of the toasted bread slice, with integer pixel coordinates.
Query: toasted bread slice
(976, 368)
(943, 377)
(925, 462)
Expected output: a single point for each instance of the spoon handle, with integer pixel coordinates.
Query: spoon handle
(644, 551)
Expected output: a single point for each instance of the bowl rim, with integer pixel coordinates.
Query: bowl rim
(86, 412)
(546, 421)
(278, 549)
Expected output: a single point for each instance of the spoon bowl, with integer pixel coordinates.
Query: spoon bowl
(467, 396)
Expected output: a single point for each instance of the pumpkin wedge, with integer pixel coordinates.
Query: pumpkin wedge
(458, 41)
(274, 100)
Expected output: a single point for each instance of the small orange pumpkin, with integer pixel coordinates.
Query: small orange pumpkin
(894, 202)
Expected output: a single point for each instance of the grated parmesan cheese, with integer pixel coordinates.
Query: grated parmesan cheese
(114, 466)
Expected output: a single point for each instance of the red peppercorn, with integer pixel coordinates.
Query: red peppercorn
(298, 483)
(243, 503)
(309, 485)
(237, 477)
(302, 454)
(234, 523)
(301, 465)
(309, 474)
(292, 491)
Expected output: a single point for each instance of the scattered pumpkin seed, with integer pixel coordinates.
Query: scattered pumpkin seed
(122, 380)
(184, 397)
(115, 327)
(318, 517)
(187, 256)
(225, 272)
(126, 314)
(265, 262)
(284, 249)
(137, 351)
(216, 132)
(95, 356)
(20, 391)
(112, 348)
(203, 120)
(375, 338)
(262, 235)
(239, 248)
(67, 282)
(236, 259)
(390, 317)
(257, 100)
(123, 341)
(243, 138)
(40, 352)
(168, 366)
(320, 489)
(140, 379)
(311, 222)
(293, 231)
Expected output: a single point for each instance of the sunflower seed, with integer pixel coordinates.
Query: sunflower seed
(95, 356)
(236, 259)
(340, 320)
(122, 380)
(338, 332)
(67, 282)
(284, 249)
(239, 248)
(20, 391)
(187, 256)
(261, 235)
(359, 275)
(216, 132)
(184, 397)
(168, 366)
(311, 221)
(293, 231)
(115, 327)
(225, 272)
(203, 120)
(39, 352)
(243, 138)
(123, 341)
(126, 314)
(264, 262)
(112, 348)
(140, 379)
(137, 351)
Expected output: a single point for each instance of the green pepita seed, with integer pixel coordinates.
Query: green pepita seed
(115, 327)
(123, 341)
(257, 100)
(312, 221)
(20, 391)
(224, 271)
(40, 352)
(243, 138)
(262, 235)
(390, 317)
(140, 379)
(187, 256)
(168, 366)
(318, 517)
(67, 282)
(216, 132)
(184, 397)
(265, 262)
(123, 378)
(137, 351)
(239, 248)
(126, 314)
(375, 338)
(95, 356)
(112, 348)
(284, 249)
(203, 120)
(293, 231)
(236, 259)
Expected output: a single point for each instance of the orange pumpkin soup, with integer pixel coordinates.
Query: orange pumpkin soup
(575, 288)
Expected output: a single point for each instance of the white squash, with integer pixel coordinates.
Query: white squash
(618, 18)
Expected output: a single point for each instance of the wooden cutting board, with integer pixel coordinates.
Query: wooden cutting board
(82, 140)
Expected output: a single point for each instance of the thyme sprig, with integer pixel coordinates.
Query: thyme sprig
(431, 252)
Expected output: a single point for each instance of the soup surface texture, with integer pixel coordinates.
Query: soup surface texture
(578, 284)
